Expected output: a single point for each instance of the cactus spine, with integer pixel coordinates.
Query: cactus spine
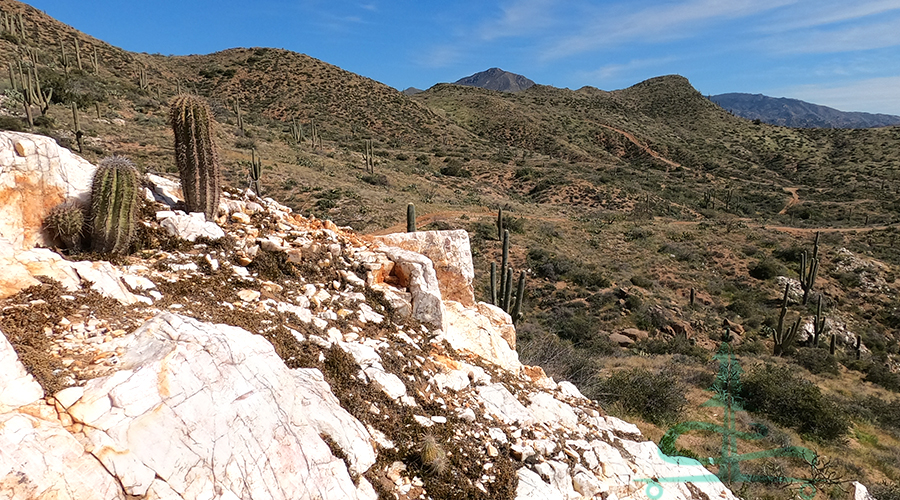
(114, 204)
(410, 218)
(195, 154)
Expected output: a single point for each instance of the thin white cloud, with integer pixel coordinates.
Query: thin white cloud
(522, 17)
(441, 56)
(823, 13)
(873, 95)
(623, 70)
(615, 26)
(872, 34)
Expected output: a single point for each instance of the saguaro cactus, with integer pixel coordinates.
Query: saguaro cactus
(195, 154)
(114, 204)
(410, 218)
(255, 172)
(809, 269)
(784, 338)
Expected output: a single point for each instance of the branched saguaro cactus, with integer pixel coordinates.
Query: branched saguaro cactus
(818, 323)
(809, 269)
(784, 338)
(195, 154)
(114, 205)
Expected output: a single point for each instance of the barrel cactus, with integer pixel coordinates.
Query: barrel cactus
(66, 222)
(195, 154)
(114, 205)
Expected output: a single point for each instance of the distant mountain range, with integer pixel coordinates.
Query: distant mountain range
(796, 113)
(497, 79)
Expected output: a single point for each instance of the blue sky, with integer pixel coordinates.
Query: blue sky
(839, 53)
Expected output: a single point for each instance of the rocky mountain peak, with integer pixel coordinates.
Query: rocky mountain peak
(497, 79)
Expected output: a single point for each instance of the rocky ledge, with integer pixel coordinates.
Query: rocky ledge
(270, 356)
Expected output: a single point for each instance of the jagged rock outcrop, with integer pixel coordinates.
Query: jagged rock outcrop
(297, 360)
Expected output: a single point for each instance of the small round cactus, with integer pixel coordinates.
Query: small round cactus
(66, 222)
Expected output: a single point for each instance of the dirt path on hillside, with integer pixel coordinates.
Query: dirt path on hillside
(643, 147)
(795, 199)
(453, 215)
(448, 215)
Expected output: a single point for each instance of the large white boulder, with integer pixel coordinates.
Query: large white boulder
(35, 176)
(210, 411)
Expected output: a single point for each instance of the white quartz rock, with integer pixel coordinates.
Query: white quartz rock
(211, 408)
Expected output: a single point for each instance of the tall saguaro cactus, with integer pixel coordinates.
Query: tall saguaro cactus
(114, 205)
(195, 154)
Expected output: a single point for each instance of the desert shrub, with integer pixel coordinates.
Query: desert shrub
(752, 348)
(641, 281)
(886, 491)
(789, 254)
(402, 157)
(657, 397)
(559, 358)
(788, 399)
(375, 179)
(12, 123)
(454, 168)
(878, 373)
(767, 269)
(877, 410)
(551, 266)
(423, 159)
(514, 224)
(638, 233)
(817, 361)
(673, 345)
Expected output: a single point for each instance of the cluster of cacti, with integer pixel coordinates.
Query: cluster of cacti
(255, 172)
(809, 268)
(370, 157)
(785, 338)
(314, 139)
(13, 24)
(114, 205)
(296, 131)
(32, 94)
(502, 285)
(195, 154)
(143, 81)
(66, 222)
(410, 218)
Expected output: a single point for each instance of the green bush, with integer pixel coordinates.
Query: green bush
(886, 491)
(767, 269)
(672, 345)
(788, 399)
(657, 397)
(817, 361)
(12, 123)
